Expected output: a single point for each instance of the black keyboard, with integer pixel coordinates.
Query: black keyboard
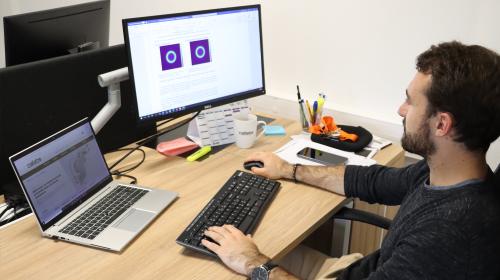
(240, 202)
(95, 219)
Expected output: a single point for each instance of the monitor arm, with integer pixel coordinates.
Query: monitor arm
(111, 80)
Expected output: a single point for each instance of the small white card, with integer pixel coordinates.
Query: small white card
(215, 126)
(379, 143)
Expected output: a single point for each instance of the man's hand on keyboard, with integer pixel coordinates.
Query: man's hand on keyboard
(274, 166)
(237, 250)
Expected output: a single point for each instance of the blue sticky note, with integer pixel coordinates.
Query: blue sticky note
(274, 130)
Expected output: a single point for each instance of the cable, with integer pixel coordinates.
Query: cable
(135, 166)
(5, 210)
(134, 179)
(13, 215)
(19, 206)
(121, 173)
(146, 140)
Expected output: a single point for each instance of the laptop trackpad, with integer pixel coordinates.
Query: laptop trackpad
(134, 220)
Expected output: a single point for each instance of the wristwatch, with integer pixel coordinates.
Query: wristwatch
(262, 272)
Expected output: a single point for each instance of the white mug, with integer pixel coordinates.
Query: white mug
(245, 130)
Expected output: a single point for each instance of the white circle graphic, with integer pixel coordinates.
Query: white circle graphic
(197, 52)
(171, 57)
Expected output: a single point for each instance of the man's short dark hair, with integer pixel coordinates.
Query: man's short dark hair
(465, 82)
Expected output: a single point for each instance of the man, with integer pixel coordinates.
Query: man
(448, 225)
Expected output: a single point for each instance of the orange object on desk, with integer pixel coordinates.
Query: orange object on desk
(328, 126)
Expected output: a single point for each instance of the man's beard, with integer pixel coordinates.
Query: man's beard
(420, 142)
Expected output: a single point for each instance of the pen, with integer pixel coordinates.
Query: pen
(298, 93)
(315, 111)
(309, 111)
(305, 121)
(303, 111)
(321, 102)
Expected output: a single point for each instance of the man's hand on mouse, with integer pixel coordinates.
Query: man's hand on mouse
(274, 166)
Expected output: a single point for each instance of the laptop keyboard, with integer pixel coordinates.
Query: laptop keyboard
(95, 219)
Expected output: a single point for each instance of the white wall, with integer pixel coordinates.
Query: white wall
(360, 53)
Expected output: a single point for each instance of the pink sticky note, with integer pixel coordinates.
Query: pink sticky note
(176, 146)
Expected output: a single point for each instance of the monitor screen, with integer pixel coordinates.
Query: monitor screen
(50, 33)
(188, 62)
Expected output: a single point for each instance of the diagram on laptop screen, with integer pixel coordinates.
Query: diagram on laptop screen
(64, 170)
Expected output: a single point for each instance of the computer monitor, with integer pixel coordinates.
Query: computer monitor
(40, 35)
(186, 62)
(42, 97)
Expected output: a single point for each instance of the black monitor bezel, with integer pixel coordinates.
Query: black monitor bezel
(14, 26)
(199, 106)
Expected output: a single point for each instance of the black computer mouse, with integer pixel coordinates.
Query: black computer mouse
(253, 163)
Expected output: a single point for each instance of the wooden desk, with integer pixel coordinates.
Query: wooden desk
(296, 212)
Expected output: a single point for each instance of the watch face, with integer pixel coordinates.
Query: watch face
(260, 273)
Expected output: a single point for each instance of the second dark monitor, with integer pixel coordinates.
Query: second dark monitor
(44, 34)
(42, 97)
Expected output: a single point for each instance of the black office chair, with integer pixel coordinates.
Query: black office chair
(373, 219)
(362, 216)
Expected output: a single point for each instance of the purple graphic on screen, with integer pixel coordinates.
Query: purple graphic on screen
(170, 57)
(200, 52)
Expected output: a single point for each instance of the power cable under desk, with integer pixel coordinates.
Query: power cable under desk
(13, 210)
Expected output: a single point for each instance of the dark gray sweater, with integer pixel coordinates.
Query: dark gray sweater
(439, 232)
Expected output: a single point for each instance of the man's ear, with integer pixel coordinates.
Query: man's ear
(444, 123)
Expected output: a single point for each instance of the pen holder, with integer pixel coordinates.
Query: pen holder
(303, 120)
(364, 138)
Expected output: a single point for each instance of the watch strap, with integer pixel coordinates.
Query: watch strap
(269, 265)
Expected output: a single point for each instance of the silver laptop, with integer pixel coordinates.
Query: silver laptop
(72, 193)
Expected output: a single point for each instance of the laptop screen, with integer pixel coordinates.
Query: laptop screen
(59, 172)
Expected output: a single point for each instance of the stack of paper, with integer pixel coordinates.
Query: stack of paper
(289, 152)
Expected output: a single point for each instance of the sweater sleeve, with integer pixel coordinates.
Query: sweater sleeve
(434, 250)
(381, 184)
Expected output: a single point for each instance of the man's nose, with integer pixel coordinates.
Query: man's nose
(403, 109)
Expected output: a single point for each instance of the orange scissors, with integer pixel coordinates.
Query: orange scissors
(328, 127)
